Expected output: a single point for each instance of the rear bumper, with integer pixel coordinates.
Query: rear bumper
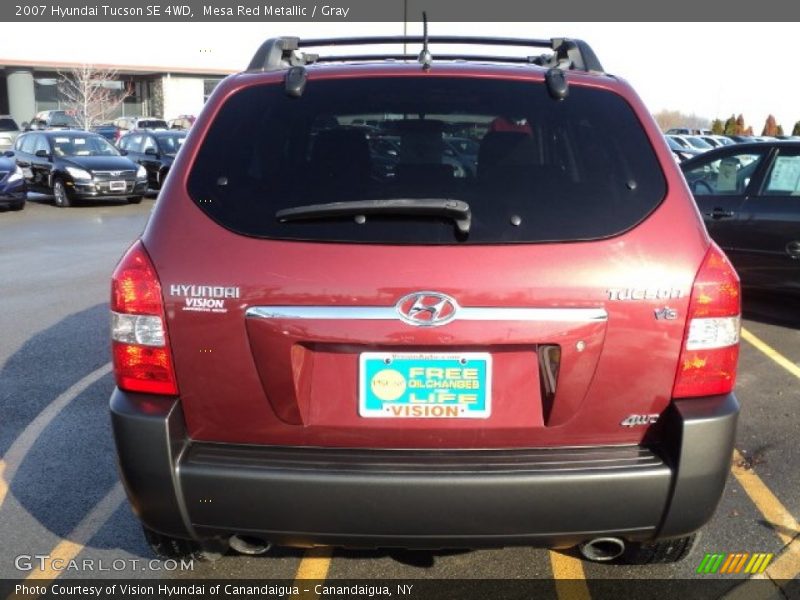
(435, 499)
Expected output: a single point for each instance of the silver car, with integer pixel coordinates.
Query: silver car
(9, 130)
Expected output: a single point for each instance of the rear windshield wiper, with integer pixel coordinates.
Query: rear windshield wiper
(458, 210)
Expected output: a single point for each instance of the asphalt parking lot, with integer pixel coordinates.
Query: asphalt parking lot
(59, 491)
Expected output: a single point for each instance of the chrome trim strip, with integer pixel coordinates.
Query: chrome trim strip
(463, 313)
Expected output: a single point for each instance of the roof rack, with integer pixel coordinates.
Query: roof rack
(284, 52)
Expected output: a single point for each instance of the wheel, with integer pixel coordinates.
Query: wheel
(18, 206)
(166, 547)
(658, 552)
(60, 194)
(135, 200)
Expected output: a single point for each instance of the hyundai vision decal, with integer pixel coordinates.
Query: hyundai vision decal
(204, 298)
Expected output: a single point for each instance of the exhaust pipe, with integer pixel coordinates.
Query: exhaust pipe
(602, 549)
(247, 544)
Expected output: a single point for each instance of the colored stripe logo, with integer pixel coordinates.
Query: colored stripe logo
(735, 562)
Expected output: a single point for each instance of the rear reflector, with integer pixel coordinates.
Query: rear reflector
(143, 369)
(141, 355)
(710, 350)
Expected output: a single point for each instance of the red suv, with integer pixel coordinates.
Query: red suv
(324, 339)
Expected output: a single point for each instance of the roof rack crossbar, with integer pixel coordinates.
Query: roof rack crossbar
(281, 53)
(445, 57)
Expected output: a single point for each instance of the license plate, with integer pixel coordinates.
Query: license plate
(404, 385)
(116, 186)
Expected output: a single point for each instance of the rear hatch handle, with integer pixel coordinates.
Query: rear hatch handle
(458, 210)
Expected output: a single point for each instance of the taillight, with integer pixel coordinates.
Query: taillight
(142, 359)
(711, 342)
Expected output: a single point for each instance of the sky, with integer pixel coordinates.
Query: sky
(709, 69)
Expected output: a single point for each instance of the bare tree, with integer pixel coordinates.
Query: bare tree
(667, 119)
(91, 93)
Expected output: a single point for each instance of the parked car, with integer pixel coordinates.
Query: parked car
(696, 142)
(154, 150)
(713, 140)
(9, 130)
(125, 124)
(181, 122)
(721, 139)
(741, 139)
(306, 353)
(688, 131)
(12, 183)
(680, 141)
(681, 131)
(51, 119)
(681, 152)
(109, 131)
(749, 195)
(78, 165)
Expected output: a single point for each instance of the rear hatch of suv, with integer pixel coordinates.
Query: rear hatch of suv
(525, 287)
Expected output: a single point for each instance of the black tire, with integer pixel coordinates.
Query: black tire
(658, 552)
(60, 194)
(135, 200)
(166, 547)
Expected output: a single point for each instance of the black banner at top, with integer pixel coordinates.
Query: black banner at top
(395, 10)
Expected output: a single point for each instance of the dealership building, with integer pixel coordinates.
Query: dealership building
(27, 87)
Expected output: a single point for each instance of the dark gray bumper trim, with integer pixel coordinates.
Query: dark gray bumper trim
(701, 432)
(150, 434)
(435, 499)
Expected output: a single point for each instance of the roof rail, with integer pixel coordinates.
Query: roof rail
(284, 52)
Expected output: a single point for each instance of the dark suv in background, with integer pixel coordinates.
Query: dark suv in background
(154, 150)
(539, 348)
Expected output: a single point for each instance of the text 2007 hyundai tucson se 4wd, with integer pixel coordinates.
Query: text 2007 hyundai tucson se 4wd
(337, 330)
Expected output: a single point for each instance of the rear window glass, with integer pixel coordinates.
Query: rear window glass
(531, 169)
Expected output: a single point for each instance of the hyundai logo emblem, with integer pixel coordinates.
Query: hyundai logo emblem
(427, 309)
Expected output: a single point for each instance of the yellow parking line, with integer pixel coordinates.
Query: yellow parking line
(569, 577)
(781, 520)
(315, 565)
(787, 566)
(16, 453)
(781, 570)
(771, 352)
(3, 484)
(67, 549)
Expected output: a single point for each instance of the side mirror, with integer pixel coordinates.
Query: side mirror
(151, 152)
(25, 126)
(123, 152)
(42, 154)
(8, 153)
